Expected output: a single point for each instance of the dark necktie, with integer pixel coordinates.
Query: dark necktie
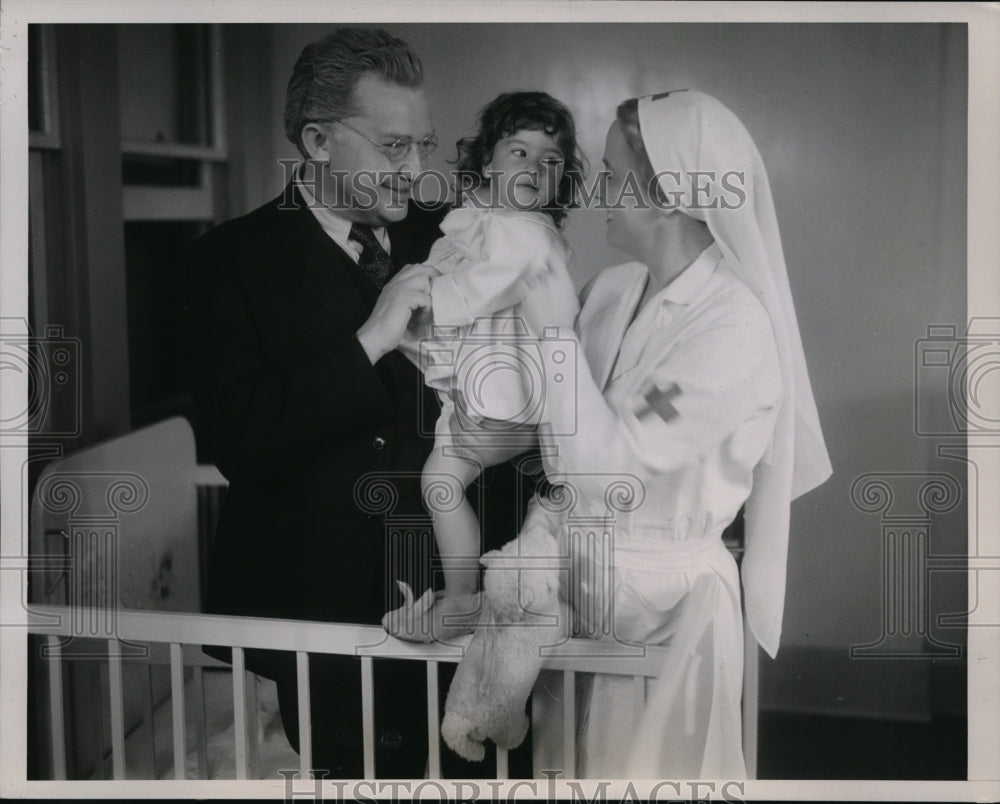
(374, 260)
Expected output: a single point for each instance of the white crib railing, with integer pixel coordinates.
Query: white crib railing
(160, 462)
(370, 643)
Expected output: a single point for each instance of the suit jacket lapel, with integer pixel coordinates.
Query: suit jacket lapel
(411, 238)
(399, 246)
(326, 273)
(332, 277)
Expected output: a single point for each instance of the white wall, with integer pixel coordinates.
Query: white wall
(863, 132)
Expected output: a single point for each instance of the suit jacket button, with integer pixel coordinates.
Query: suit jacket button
(378, 443)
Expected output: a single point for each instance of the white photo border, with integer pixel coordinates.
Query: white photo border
(983, 300)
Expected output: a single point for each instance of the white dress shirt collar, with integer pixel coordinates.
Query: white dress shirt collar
(337, 227)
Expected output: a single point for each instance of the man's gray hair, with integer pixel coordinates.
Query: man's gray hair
(323, 80)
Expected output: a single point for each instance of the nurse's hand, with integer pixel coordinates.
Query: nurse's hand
(549, 300)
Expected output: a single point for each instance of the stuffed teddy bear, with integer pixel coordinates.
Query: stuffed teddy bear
(521, 615)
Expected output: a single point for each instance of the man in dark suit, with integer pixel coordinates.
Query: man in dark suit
(294, 314)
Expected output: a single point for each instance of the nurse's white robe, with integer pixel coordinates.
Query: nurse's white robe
(678, 400)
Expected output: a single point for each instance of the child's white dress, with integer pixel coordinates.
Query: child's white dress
(476, 352)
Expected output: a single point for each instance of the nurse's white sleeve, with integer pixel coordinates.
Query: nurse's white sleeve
(510, 246)
(721, 374)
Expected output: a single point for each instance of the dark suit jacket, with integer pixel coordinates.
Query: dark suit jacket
(294, 414)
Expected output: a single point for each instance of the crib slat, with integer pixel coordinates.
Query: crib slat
(56, 713)
(638, 696)
(368, 714)
(240, 712)
(503, 771)
(102, 726)
(150, 721)
(569, 723)
(433, 727)
(179, 722)
(305, 714)
(201, 722)
(253, 741)
(117, 709)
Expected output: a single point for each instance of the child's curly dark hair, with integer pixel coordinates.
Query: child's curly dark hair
(524, 111)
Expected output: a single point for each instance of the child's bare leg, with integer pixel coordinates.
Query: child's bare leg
(456, 528)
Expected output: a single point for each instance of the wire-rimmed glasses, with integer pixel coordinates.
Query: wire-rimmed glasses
(396, 150)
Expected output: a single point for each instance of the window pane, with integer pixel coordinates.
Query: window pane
(164, 82)
(153, 171)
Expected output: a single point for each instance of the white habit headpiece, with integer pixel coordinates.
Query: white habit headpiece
(690, 136)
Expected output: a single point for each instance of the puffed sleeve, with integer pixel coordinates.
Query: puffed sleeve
(505, 248)
(720, 375)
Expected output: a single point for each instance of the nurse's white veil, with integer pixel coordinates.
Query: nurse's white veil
(687, 131)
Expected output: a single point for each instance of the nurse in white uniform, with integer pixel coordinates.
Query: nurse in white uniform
(694, 394)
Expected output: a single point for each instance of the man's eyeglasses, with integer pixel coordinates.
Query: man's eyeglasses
(396, 150)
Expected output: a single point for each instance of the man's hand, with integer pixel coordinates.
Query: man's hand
(407, 292)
